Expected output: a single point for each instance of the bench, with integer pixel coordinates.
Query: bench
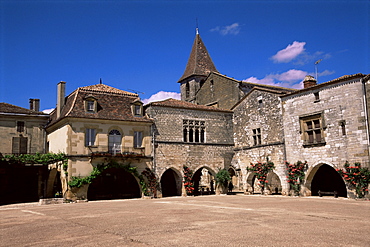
(321, 193)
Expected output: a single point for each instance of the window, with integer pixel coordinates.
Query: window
(187, 90)
(19, 145)
(137, 110)
(256, 136)
(90, 137)
(317, 97)
(138, 139)
(313, 130)
(114, 142)
(20, 126)
(91, 105)
(194, 131)
(342, 125)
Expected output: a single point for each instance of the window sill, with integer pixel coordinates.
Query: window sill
(309, 145)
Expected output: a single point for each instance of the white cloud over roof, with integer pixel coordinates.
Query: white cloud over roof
(161, 95)
(289, 53)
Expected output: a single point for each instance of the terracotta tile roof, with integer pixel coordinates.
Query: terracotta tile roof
(112, 104)
(339, 79)
(174, 103)
(199, 62)
(9, 108)
(102, 88)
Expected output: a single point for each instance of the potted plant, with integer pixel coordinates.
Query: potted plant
(222, 181)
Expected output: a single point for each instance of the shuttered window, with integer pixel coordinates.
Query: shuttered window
(19, 145)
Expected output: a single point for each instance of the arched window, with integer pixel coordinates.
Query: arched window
(185, 135)
(114, 142)
(191, 135)
(196, 135)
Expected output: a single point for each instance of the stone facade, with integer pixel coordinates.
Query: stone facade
(337, 111)
(99, 125)
(173, 150)
(258, 136)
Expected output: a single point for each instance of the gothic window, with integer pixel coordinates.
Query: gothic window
(138, 139)
(90, 137)
(194, 131)
(256, 136)
(312, 128)
(114, 141)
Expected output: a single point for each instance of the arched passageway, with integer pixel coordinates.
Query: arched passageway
(170, 183)
(273, 187)
(114, 183)
(203, 181)
(274, 184)
(327, 179)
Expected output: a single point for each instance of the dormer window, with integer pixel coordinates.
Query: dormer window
(137, 108)
(90, 104)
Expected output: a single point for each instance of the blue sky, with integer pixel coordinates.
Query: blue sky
(143, 46)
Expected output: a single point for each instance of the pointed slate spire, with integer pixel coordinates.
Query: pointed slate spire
(199, 62)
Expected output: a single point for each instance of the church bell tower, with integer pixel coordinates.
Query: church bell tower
(197, 69)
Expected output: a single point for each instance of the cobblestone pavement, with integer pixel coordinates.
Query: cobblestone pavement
(233, 220)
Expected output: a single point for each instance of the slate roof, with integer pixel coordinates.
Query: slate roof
(12, 109)
(199, 62)
(174, 103)
(112, 104)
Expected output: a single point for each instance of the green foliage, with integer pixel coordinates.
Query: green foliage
(223, 177)
(37, 158)
(77, 182)
(152, 186)
(296, 175)
(356, 176)
(188, 183)
(261, 170)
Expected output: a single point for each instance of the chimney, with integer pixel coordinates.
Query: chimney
(35, 104)
(61, 91)
(309, 81)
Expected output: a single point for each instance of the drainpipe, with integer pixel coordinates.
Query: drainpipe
(153, 144)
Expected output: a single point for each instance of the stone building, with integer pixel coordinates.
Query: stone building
(259, 136)
(327, 125)
(200, 137)
(22, 132)
(97, 125)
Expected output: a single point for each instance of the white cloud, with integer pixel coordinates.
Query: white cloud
(162, 96)
(231, 29)
(289, 53)
(290, 79)
(47, 111)
(326, 72)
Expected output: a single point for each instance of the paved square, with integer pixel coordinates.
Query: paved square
(233, 220)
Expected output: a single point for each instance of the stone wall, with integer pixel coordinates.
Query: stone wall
(260, 109)
(338, 103)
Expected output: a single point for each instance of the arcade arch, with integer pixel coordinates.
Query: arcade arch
(171, 183)
(325, 178)
(204, 181)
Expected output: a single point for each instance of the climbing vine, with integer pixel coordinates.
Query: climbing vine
(77, 182)
(44, 159)
(188, 184)
(261, 170)
(152, 183)
(356, 176)
(296, 175)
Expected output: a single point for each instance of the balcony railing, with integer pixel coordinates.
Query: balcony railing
(116, 150)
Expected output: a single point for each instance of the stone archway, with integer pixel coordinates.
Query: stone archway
(325, 178)
(274, 185)
(114, 183)
(54, 184)
(204, 181)
(171, 183)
